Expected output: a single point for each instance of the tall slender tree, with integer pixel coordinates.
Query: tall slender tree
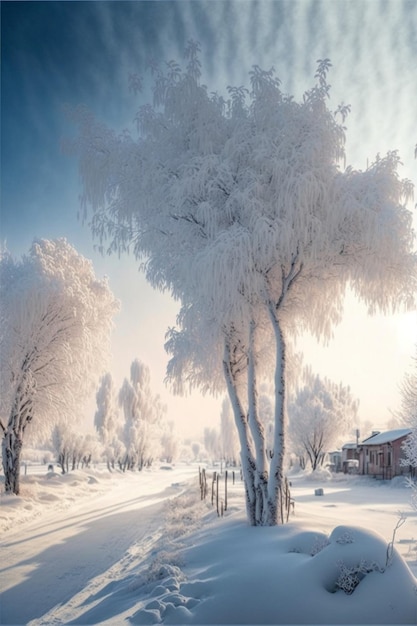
(241, 209)
(56, 320)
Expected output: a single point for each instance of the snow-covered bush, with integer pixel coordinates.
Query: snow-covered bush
(350, 577)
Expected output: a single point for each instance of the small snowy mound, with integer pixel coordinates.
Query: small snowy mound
(356, 575)
(285, 575)
(320, 474)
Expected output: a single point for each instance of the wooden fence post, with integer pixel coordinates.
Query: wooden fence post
(217, 494)
(225, 490)
(203, 483)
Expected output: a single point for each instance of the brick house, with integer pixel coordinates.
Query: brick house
(380, 454)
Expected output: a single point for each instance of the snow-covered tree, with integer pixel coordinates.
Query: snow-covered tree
(86, 450)
(196, 450)
(106, 420)
(320, 415)
(72, 448)
(55, 319)
(63, 445)
(169, 442)
(408, 413)
(212, 443)
(241, 209)
(143, 412)
(408, 409)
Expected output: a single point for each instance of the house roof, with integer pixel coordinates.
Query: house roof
(386, 437)
(349, 446)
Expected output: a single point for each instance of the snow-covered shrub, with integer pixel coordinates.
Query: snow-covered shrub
(320, 474)
(350, 577)
(345, 537)
(165, 565)
(183, 514)
(319, 544)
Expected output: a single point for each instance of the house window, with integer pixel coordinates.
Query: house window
(376, 458)
(389, 458)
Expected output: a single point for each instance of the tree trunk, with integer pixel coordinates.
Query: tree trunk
(20, 416)
(258, 435)
(61, 462)
(278, 491)
(11, 454)
(246, 454)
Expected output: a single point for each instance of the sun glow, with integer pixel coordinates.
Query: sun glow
(407, 330)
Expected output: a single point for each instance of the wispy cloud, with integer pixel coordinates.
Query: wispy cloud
(83, 52)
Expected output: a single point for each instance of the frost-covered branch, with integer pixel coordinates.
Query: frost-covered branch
(390, 547)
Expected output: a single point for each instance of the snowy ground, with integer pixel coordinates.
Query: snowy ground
(142, 548)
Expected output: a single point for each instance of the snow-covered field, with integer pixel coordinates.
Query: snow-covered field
(142, 548)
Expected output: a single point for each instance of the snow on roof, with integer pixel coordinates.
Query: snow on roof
(387, 436)
(349, 446)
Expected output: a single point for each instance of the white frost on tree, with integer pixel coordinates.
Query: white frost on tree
(408, 413)
(320, 414)
(63, 444)
(72, 448)
(241, 208)
(143, 412)
(107, 421)
(169, 442)
(56, 320)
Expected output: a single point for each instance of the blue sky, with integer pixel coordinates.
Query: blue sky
(58, 53)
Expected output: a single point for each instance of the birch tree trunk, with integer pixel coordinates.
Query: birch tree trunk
(278, 491)
(246, 453)
(258, 435)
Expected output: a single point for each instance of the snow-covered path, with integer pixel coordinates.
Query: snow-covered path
(51, 559)
(92, 547)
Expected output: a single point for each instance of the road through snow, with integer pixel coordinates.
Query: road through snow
(51, 559)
